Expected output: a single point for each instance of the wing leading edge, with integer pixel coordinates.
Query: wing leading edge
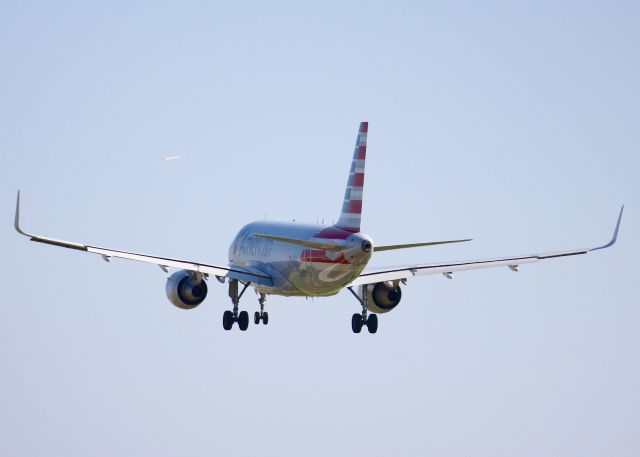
(242, 274)
(409, 271)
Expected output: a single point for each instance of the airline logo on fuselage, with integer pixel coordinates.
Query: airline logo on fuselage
(250, 246)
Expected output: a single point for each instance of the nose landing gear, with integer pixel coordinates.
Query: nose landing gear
(261, 315)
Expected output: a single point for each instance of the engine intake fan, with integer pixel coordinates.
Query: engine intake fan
(383, 296)
(185, 291)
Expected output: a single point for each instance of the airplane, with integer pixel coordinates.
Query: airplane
(294, 259)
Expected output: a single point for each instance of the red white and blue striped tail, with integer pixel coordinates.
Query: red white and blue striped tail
(352, 206)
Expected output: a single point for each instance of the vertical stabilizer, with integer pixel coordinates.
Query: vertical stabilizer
(352, 206)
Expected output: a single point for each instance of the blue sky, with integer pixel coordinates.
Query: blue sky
(513, 123)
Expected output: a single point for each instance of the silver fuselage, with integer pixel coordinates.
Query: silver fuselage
(300, 270)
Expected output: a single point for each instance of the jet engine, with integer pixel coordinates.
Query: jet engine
(383, 296)
(185, 289)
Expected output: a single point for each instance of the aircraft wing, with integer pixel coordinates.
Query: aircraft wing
(240, 273)
(447, 268)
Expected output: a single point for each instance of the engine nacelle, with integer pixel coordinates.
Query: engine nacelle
(383, 296)
(184, 291)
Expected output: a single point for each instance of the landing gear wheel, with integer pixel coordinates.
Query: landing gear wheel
(243, 320)
(265, 318)
(356, 323)
(227, 320)
(372, 323)
(256, 318)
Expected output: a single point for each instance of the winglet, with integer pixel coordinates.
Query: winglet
(16, 222)
(43, 239)
(615, 232)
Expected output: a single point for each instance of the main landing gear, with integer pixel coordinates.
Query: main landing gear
(364, 318)
(242, 317)
(229, 317)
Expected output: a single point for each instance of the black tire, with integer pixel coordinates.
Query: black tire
(356, 323)
(265, 318)
(243, 320)
(227, 320)
(256, 318)
(372, 323)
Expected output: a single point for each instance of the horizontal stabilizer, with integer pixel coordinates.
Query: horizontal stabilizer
(306, 243)
(393, 247)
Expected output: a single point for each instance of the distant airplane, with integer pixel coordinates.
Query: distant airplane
(293, 259)
(173, 157)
